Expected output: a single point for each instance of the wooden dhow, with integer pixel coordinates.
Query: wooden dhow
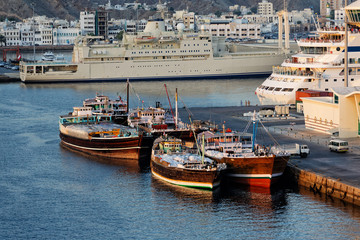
(247, 163)
(172, 162)
(96, 135)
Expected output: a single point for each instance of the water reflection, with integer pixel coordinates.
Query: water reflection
(134, 166)
(199, 93)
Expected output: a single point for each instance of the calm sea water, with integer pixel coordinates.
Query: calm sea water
(47, 192)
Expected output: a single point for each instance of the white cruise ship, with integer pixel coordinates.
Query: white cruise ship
(152, 54)
(318, 66)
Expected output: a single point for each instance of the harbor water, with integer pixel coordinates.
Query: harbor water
(47, 192)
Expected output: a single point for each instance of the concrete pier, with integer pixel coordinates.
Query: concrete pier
(334, 175)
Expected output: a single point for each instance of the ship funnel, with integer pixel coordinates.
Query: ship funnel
(155, 25)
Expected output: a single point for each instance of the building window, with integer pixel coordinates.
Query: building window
(336, 99)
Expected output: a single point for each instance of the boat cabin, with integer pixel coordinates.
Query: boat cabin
(171, 145)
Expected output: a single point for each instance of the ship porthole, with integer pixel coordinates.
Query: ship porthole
(338, 49)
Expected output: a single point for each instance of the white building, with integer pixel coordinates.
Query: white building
(234, 8)
(233, 29)
(87, 22)
(339, 15)
(46, 36)
(265, 8)
(65, 36)
(12, 36)
(27, 37)
(334, 5)
(261, 19)
(337, 114)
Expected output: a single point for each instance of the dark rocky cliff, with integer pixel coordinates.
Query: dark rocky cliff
(69, 9)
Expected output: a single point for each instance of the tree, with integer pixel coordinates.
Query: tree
(120, 35)
(253, 9)
(2, 40)
(218, 13)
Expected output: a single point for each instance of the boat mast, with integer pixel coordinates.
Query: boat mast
(203, 149)
(346, 67)
(127, 95)
(255, 123)
(172, 113)
(176, 108)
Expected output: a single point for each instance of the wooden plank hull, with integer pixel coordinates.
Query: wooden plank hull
(124, 148)
(186, 177)
(262, 171)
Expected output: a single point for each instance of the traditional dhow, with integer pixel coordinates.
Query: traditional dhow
(96, 135)
(172, 162)
(247, 163)
(151, 55)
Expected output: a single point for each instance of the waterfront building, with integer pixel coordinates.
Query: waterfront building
(258, 18)
(46, 35)
(333, 4)
(12, 36)
(65, 36)
(265, 8)
(339, 114)
(339, 15)
(94, 22)
(87, 22)
(233, 29)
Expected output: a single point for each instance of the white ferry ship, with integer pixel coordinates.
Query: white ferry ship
(319, 65)
(153, 54)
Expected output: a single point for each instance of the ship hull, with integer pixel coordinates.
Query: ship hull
(262, 171)
(236, 67)
(117, 149)
(185, 177)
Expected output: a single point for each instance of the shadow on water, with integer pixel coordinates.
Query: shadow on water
(260, 200)
(135, 166)
(266, 200)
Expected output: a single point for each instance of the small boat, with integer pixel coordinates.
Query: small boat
(172, 162)
(97, 135)
(48, 56)
(248, 163)
(145, 39)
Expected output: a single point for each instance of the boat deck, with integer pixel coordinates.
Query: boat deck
(343, 168)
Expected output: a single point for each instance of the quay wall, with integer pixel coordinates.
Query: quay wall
(331, 188)
(40, 47)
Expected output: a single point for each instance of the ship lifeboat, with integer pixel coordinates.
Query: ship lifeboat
(167, 39)
(145, 39)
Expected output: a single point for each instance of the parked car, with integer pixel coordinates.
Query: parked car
(2, 64)
(15, 68)
(338, 145)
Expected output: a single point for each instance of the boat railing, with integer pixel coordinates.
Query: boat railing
(183, 152)
(307, 40)
(290, 72)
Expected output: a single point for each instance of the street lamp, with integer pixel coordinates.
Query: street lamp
(33, 23)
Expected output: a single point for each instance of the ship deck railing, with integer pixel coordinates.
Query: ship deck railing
(289, 72)
(40, 63)
(320, 40)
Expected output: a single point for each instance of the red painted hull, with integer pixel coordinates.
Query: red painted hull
(255, 171)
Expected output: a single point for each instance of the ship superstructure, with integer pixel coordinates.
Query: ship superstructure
(318, 66)
(152, 54)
